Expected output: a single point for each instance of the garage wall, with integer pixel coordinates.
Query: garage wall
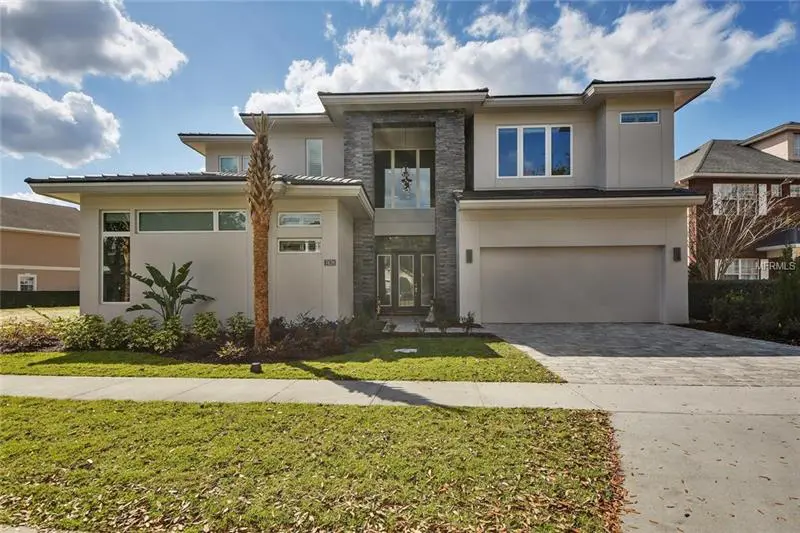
(583, 227)
(222, 261)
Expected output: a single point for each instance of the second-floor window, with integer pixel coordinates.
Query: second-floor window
(314, 157)
(797, 145)
(736, 199)
(233, 163)
(534, 151)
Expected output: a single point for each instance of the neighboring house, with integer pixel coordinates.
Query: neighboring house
(748, 172)
(39, 246)
(522, 208)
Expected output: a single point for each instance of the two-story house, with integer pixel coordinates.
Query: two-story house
(749, 172)
(521, 208)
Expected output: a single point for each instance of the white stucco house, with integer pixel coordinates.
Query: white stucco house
(519, 208)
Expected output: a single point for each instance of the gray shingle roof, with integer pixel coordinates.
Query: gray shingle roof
(38, 216)
(730, 157)
(191, 176)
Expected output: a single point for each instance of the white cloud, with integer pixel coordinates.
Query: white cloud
(373, 3)
(330, 29)
(66, 41)
(72, 131)
(411, 48)
(33, 197)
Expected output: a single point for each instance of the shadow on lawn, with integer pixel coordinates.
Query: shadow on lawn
(131, 358)
(383, 391)
(384, 350)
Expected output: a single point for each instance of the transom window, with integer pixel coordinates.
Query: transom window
(639, 117)
(115, 262)
(194, 221)
(289, 220)
(298, 246)
(534, 151)
(314, 157)
(26, 282)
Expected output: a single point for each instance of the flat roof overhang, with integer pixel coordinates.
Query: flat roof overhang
(576, 198)
(198, 141)
(71, 190)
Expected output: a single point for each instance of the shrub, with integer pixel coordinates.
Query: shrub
(169, 336)
(140, 334)
(278, 328)
(80, 333)
(238, 327)
(171, 294)
(206, 326)
(468, 322)
(26, 336)
(115, 335)
(230, 351)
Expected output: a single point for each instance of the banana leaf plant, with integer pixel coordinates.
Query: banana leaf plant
(170, 294)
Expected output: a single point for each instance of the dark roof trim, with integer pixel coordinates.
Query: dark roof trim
(317, 114)
(374, 93)
(535, 194)
(654, 80)
(198, 177)
(190, 134)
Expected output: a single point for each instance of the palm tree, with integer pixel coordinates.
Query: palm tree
(260, 178)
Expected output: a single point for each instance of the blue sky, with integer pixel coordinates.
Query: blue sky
(183, 66)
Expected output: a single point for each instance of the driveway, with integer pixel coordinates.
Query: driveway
(727, 467)
(654, 354)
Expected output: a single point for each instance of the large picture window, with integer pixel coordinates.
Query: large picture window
(176, 221)
(735, 199)
(404, 179)
(116, 257)
(534, 151)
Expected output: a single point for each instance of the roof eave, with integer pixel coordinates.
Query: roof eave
(553, 203)
(789, 126)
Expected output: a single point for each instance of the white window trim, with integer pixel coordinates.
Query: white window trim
(378, 277)
(794, 190)
(20, 277)
(321, 156)
(299, 213)
(658, 117)
(239, 161)
(215, 214)
(305, 246)
(417, 191)
(103, 235)
(759, 191)
(548, 156)
(738, 265)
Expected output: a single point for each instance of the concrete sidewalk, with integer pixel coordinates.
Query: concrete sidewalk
(613, 398)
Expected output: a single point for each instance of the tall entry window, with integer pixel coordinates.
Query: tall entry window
(116, 257)
(404, 167)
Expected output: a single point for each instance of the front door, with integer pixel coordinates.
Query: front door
(406, 282)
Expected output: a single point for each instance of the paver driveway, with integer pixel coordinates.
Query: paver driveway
(654, 354)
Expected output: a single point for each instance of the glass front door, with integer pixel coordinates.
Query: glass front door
(406, 282)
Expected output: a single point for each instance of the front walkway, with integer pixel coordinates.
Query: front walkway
(613, 398)
(653, 354)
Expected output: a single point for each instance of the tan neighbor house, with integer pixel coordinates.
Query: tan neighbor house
(518, 208)
(39, 246)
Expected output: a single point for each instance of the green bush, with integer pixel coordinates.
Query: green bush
(206, 326)
(238, 327)
(703, 293)
(169, 336)
(25, 336)
(115, 335)
(140, 334)
(80, 333)
(230, 351)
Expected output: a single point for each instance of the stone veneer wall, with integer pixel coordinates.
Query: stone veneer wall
(450, 176)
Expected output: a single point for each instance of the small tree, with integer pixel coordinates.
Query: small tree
(170, 294)
(260, 179)
(725, 226)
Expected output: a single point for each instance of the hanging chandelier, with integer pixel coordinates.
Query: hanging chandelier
(405, 179)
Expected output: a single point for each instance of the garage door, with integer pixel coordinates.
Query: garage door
(580, 284)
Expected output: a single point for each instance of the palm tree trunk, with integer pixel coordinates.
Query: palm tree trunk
(261, 280)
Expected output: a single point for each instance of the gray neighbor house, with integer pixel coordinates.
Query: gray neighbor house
(519, 208)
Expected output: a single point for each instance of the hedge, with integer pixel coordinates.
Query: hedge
(17, 299)
(702, 293)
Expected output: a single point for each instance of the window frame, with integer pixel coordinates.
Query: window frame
(796, 145)
(417, 181)
(794, 190)
(103, 235)
(299, 213)
(773, 187)
(378, 278)
(548, 151)
(239, 162)
(738, 198)
(23, 276)
(321, 156)
(305, 246)
(738, 262)
(215, 221)
(657, 120)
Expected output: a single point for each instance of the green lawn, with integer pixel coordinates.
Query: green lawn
(438, 359)
(112, 466)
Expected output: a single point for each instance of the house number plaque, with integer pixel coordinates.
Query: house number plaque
(330, 262)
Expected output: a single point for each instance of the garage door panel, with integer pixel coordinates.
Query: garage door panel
(571, 284)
